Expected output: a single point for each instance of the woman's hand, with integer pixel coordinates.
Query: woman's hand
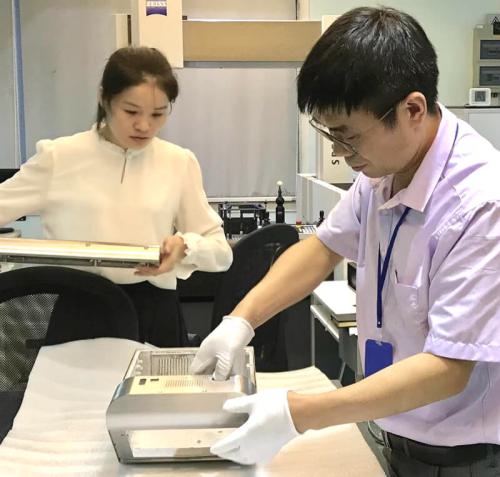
(173, 250)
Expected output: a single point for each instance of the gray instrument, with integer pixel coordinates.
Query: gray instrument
(161, 413)
(75, 253)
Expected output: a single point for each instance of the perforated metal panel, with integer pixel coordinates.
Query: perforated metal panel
(164, 365)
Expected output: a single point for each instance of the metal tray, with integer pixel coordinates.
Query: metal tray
(68, 252)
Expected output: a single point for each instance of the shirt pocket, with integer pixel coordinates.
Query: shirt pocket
(410, 300)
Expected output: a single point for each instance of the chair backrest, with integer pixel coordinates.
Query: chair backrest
(253, 256)
(51, 305)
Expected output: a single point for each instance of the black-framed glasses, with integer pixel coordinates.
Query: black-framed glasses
(347, 146)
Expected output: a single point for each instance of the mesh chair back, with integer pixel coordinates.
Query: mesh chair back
(23, 326)
(52, 305)
(253, 256)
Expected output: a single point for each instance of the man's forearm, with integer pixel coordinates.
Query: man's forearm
(408, 384)
(295, 275)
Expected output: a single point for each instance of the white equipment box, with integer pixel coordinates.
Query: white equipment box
(161, 413)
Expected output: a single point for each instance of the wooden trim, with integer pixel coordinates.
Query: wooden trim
(249, 40)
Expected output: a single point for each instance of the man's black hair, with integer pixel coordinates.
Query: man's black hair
(369, 59)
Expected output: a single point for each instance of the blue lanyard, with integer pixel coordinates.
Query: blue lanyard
(383, 273)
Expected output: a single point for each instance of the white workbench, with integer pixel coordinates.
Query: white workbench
(60, 428)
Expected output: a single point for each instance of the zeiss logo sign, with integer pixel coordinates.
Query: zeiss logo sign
(156, 7)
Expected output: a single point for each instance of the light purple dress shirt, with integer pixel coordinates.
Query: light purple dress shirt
(442, 291)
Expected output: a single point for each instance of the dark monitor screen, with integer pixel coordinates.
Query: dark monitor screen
(489, 75)
(7, 174)
(489, 50)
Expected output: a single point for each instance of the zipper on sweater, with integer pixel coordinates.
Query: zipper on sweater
(125, 157)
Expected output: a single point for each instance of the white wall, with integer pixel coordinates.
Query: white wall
(240, 122)
(65, 47)
(449, 25)
(242, 126)
(239, 9)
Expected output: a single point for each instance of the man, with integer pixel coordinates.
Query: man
(422, 221)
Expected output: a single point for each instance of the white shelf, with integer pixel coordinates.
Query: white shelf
(314, 195)
(322, 316)
(338, 298)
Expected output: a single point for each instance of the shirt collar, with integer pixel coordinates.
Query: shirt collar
(115, 148)
(419, 191)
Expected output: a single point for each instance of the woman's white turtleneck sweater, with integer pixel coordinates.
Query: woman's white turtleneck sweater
(86, 188)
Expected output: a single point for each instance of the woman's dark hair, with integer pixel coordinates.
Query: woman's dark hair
(370, 59)
(131, 66)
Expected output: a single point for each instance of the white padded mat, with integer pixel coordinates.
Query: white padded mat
(60, 429)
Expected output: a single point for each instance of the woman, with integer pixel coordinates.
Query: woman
(118, 182)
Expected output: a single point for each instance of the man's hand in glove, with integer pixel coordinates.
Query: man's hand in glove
(222, 347)
(268, 428)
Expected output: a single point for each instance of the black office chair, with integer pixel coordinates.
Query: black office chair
(253, 256)
(52, 305)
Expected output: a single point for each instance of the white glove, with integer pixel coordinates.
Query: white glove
(268, 428)
(222, 347)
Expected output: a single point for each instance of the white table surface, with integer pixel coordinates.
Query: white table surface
(60, 429)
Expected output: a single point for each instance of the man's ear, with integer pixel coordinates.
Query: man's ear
(415, 106)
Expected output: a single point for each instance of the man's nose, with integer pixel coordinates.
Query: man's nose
(340, 150)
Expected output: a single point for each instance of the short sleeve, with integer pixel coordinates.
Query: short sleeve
(340, 230)
(464, 292)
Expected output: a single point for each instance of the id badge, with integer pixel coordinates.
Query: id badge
(378, 355)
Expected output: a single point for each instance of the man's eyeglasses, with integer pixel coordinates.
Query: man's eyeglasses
(347, 146)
